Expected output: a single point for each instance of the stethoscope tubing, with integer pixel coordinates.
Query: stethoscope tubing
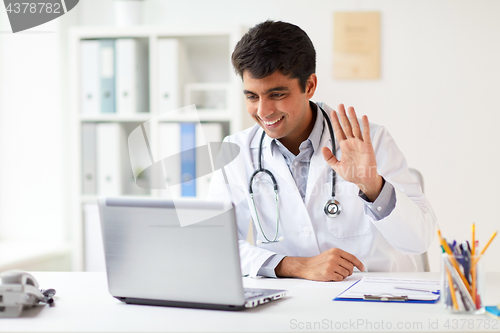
(261, 169)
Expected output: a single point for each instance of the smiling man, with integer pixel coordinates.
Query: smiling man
(338, 200)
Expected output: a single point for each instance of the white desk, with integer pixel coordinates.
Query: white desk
(83, 304)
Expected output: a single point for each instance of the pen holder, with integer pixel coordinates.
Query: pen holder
(462, 282)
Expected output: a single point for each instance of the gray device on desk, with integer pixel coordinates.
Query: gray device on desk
(151, 259)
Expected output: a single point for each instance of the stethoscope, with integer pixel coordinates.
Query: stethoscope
(332, 207)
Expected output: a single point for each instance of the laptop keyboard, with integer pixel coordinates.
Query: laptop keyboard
(249, 294)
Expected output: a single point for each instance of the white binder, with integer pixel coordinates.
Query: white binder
(131, 76)
(107, 63)
(170, 148)
(173, 72)
(110, 138)
(205, 133)
(89, 181)
(90, 75)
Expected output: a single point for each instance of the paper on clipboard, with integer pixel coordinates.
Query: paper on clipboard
(392, 289)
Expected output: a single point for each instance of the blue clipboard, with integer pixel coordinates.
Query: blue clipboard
(384, 298)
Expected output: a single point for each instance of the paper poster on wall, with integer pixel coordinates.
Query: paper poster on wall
(356, 45)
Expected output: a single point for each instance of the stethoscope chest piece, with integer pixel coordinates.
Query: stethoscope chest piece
(332, 208)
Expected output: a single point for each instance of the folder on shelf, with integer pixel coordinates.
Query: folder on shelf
(170, 148)
(188, 159)
(89, 181)
(109, 142)
(381, 289)
(140, 157)
(168, 74)
(205, 134)
(131, 76)
(90, 78)
(173, 72)
(107, 75)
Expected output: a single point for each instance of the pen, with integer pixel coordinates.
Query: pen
(475, 297)
(453, 260)
(474, 281)
(464, 294)
(466, 260)
(452, 290)
(422, 290)
(473, 268)
(473, 252)
(487, 244)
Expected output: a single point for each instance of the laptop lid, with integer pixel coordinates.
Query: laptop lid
(182, 251)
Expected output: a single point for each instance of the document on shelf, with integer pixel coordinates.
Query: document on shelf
(392, 289)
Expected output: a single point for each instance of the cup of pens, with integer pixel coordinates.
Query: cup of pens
(462, 282)
(462, 275)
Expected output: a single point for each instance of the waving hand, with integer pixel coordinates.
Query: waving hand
(357, 164)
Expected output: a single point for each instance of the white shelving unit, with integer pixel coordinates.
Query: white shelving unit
(208, 52)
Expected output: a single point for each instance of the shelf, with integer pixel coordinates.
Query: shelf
(202, 69)
(92, 199)
(204, 116)
(139, 118)
(145, 31)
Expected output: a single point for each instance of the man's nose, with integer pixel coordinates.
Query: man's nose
(266, 108)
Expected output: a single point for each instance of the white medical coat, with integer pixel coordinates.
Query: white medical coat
(384, 245)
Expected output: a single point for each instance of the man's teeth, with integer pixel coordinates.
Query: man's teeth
(273, 122)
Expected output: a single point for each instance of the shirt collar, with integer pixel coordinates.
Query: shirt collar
(314, 137)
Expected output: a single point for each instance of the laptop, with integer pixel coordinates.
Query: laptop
(181, 253)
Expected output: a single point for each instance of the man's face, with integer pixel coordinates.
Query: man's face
(278, 105)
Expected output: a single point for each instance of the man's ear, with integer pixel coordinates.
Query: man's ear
(311, 85)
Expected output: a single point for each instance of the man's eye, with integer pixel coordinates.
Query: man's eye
(277, 95)
(251, 97)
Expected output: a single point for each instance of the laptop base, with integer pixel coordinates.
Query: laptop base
(177, 304)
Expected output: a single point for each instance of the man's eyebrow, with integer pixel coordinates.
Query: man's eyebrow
(267, 91)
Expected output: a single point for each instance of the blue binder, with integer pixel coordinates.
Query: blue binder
(188, 159)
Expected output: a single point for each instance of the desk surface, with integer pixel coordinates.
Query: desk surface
(83, 304)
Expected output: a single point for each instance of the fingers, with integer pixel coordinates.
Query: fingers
(341, 263)
(337, 129)
(350, 126)
(355, 125)
(345, 272)
(353, 260)
(346, 124)
(329, 157)
(366, 130)
(337, 277)
(331, 265)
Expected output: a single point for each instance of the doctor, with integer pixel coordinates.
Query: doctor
(384, 218)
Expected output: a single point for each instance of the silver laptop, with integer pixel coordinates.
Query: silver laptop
(181, 253)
